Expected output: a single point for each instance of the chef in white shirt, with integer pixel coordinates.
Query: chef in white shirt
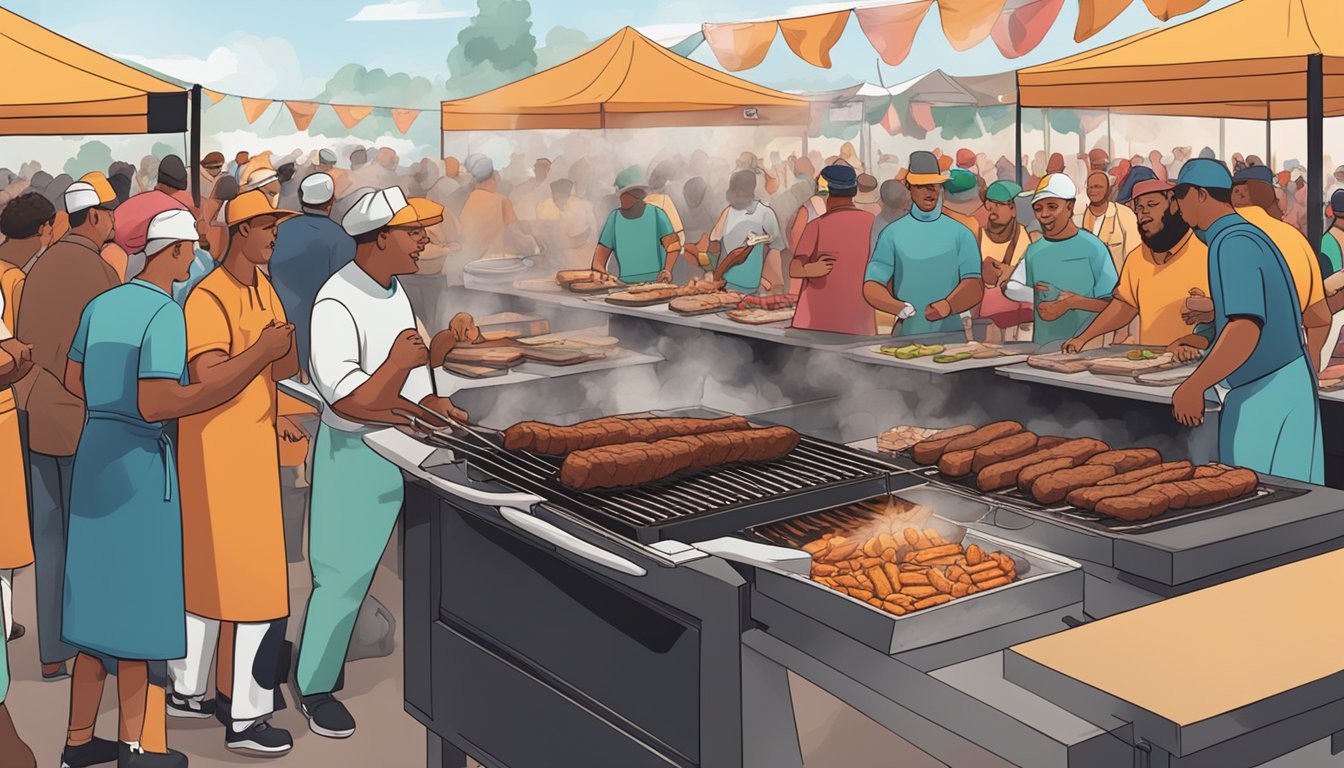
(369, 364)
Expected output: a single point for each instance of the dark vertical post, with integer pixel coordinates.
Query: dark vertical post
(1017, 126)
(1315, 149)
(195, 162)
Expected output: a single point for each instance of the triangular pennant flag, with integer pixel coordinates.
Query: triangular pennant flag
(1163, 10)
(891, 29)
(923, 115)
(351, 115)
(813, 37)
(1019, 30)
(214, 96)
(892, 120)
(1096, 15)
(302, 112)
(254, 108)
(403, 118)
(967, 23)
(742, 45)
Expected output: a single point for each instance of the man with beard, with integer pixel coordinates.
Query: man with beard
(1157, 277)
(1003, 243)
(1112, 223)
(641, 237)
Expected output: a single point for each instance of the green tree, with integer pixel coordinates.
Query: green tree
(355, 84)
(562, 44)
(495, 48)
(92, 156)
(162, 150)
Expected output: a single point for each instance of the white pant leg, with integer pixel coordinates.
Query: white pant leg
(7, 600)
(252, 699)
(190, 676)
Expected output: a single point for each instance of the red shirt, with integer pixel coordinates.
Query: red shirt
(835, 303)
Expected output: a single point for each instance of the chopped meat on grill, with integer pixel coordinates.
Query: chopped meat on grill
(637, 463)
(555, 440)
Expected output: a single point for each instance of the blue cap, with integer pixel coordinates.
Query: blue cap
(1136, 174)
(840, 179)
(1205, 172)
(1254, 173)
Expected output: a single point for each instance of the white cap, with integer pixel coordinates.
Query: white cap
(169, 227)
(1054, 185)
(81, 196)
(317, 189)
(374, 210)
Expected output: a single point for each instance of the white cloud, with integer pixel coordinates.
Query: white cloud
(668, 34)
(406, 10)
(248, 66)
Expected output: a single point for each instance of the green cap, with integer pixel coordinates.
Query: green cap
(960, 181)
(1003, 191)
(630, 177)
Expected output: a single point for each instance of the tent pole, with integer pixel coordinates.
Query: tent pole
(1315, 148)
(195, 149)
(1110, 142)
(1017, 128)
(1222, 139)
(1269, 137)
(1045, 118)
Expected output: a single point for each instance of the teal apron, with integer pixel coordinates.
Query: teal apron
(1072, 274)
(123, 574)
(745, 278)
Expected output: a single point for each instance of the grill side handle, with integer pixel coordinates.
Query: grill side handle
(569, 542)
(410, 455)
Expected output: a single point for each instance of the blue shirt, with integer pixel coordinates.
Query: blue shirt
(1080, 264)
(923, 261)
(132, 332)
(309, 249)
(201, 266)
(1248, 277)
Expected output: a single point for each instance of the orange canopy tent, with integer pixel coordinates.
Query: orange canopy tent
(55, 86)
(627, 81)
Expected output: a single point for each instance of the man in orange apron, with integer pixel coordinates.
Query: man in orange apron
(229, 469)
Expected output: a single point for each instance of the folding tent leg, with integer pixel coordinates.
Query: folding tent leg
(1315, 149)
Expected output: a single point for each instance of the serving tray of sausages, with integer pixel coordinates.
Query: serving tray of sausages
(1086, 481)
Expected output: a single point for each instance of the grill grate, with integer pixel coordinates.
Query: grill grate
(715, 502)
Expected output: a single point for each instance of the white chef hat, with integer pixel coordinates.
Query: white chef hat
(390, 208)
(317, 189)
(169, 227)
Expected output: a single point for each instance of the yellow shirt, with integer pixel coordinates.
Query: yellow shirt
(11, 287)
(1159, 291)
(670, 208)
(1299, 254)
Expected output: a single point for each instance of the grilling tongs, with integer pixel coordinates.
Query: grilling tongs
(479, 433)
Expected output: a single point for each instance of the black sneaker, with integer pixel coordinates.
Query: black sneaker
(17, 631)
(190, 706)
(96, 752)
(223, 710)
(327, 716)
(261, 738)
(135, 758)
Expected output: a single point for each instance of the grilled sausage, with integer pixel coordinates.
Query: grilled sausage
(555, 440)
(1004, 473)
(1050, 441)
(1139, 474)
(930, 450)
(1127, 460)
(1003, 449)
(632, 464)
(1088, 498)
(957, 463)
(1028, 476)
(983, 436)
(1054, 487)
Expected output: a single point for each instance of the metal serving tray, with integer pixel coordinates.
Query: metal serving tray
(1047, 582)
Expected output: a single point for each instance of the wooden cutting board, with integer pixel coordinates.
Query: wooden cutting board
(1125, 367)
(642, 299)
(494, 357)
(571, 341)
(1061, 362)
(474, 371)
(760, 316)
(549, 355)
(728, 300)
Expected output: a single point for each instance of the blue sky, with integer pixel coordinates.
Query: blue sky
(289, 49)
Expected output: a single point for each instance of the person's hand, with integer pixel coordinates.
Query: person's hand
(1075, 345)
(821, 267)
(1187, 405)
(442, 406)
(276, 340)
(1052, 310)
(665, 276)
(408, 351)
(464, 330)
(1184, 353)
(22, 353)
(992, 271)
(289, 431)
(937, 310)
(1198, 303)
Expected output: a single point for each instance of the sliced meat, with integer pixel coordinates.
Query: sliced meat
(633, 464)
(983, 436)
(1004, 473)
(1054, 487)
(1140, 506)
(1211, 470)
(1088, 498)
(554, 440)
(1003, 449)
(930, 450)
(1128, 460)
(1029, 475)
(1139, 474)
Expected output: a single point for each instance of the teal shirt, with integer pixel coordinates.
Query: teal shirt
(1082, 265)
(922, 262)
(1330, 247)
(637, 243)
(134, 331)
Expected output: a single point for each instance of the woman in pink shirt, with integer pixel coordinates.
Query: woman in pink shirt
(830, 260)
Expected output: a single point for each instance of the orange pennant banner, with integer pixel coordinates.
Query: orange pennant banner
(892, 120)
(1019, 30)
(351, 115)
(891, 29)
(741, 45)
(404, 118)
(813, 37)
(254, 108)
(302, 112)
(1096, 15)
(967, 23)
(1164, 10)
(214, 96)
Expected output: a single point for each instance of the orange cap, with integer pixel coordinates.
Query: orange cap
(419, 211)
(250, 205)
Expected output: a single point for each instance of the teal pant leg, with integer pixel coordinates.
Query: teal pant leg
(1273, 425)
(356, 497)
(4, 666)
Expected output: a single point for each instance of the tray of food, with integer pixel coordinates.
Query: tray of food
(586, 281)
(1080, 362)
(474, 371)
(492, 357)
(706, 304)
(1084, 480)
(760, 316)
(894, 576)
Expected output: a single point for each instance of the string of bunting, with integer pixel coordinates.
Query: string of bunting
(1016, 26)
(303, 112)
